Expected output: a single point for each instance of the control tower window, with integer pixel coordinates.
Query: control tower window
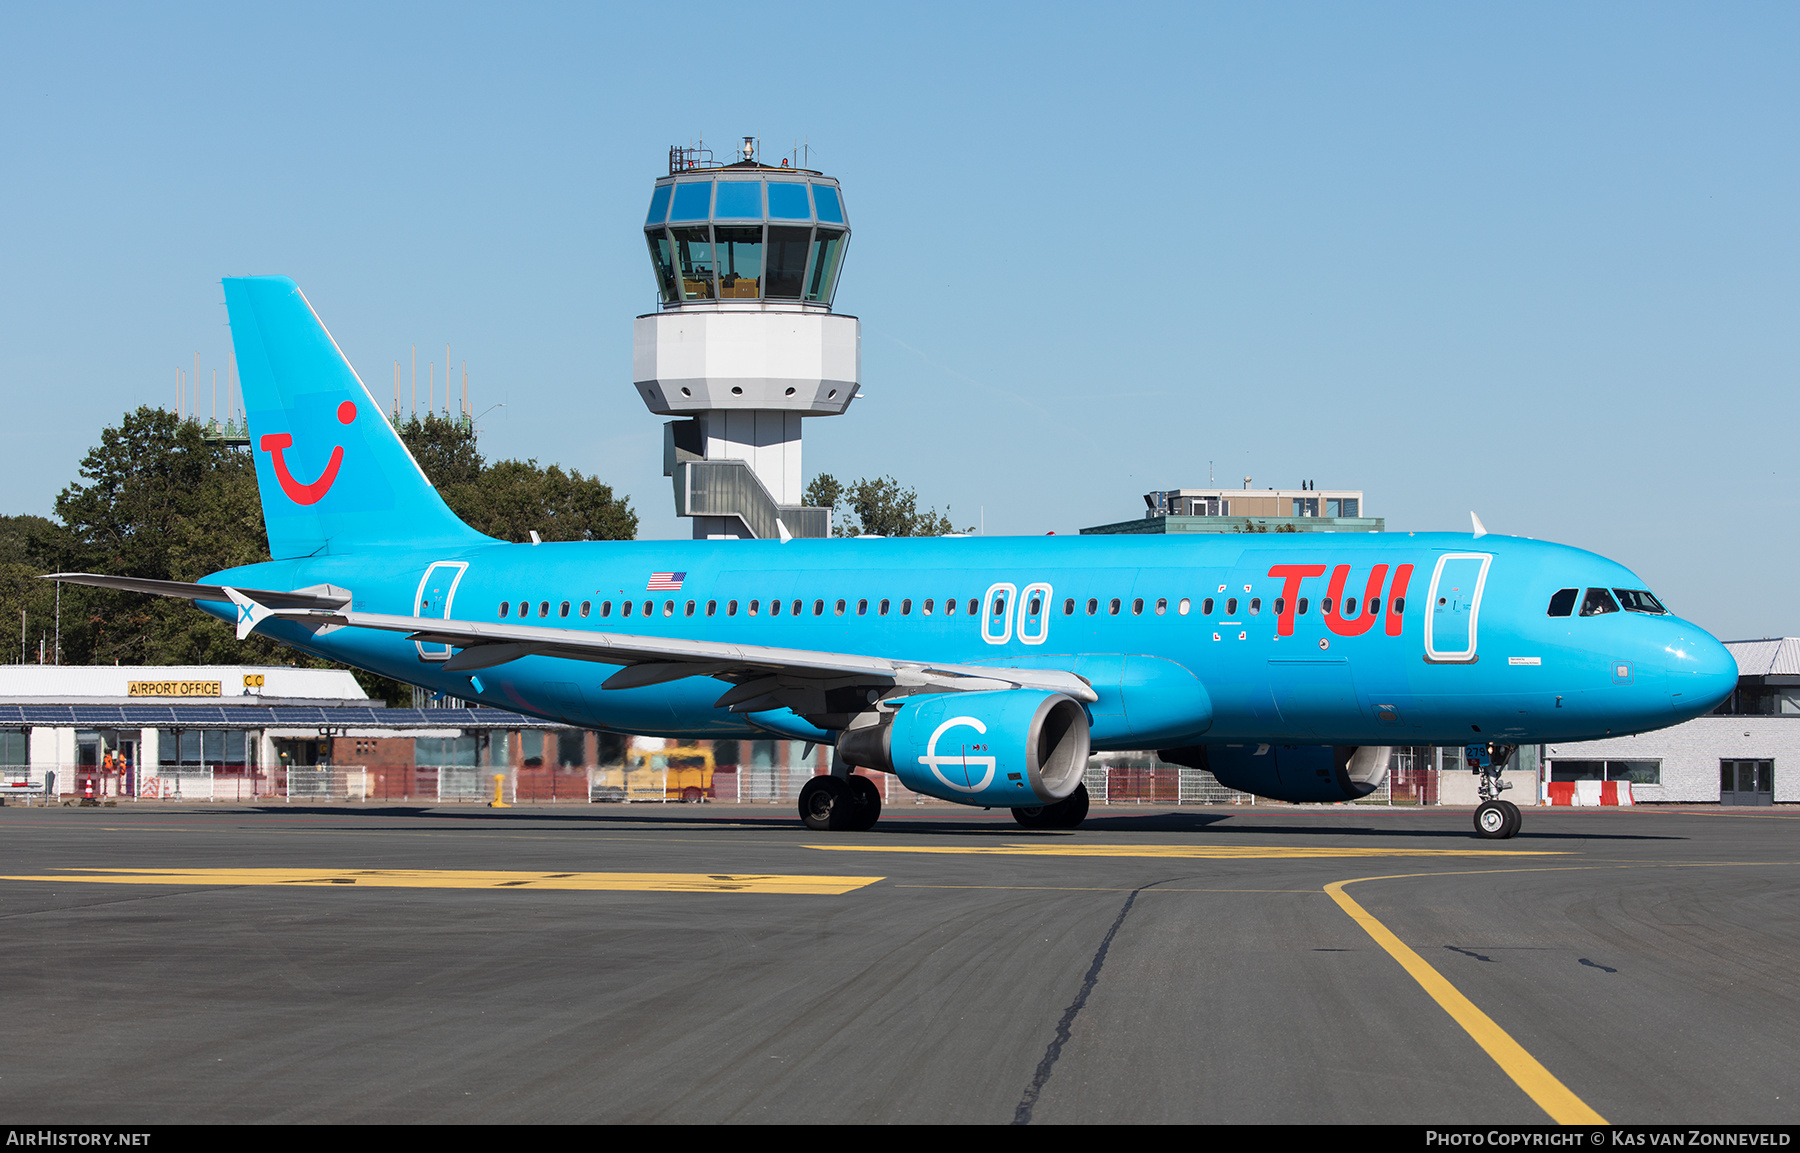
(740, 261)
(825, 198)
(694, 253)
(659, 205)
(739, 200)
(823, 281)
(788, 202)
(662, 256)
(693, 201)
(787, 260)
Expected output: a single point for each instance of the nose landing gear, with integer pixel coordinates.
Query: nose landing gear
(1495, 819)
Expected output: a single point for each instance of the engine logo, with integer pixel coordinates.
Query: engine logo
(931, 760)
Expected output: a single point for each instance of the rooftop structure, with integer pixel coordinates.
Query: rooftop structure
(744, 343)
(1305, 509)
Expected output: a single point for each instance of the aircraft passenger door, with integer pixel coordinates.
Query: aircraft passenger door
(1034, 614)
(437, 592)
(996, 614)
(1455, 604)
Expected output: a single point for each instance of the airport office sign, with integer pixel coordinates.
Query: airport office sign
(172, 688)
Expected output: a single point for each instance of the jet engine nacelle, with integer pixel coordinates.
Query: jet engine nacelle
(1015, 748)
(1300, 773)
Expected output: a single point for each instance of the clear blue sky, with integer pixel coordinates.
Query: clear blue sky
(1539, 261)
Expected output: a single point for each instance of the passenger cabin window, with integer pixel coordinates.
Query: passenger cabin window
(504, 606)
(1206, 607)
(625, 608)
(862, 607)
(796, 608)
(838, 610)
(1231, 607)
(1639, 601)
(1093, 606)
(1137, 607)
(906, 607)
(754, 606)
(731, 608)
(586, 606)
(1162, 605)
(649, 608)
(712, 608)
(818, 608)
(1598, 602)
(929, 605)
(1302, 606)
(1184, 606)
(882, 609)
(690, 609)
(1112, 607)
(565, 610)
(1069, 607)
(949, 606)
(1255, 605)
(543, 608)
(606, 608)
(1562, 602)
(974, 606)
(774, 608)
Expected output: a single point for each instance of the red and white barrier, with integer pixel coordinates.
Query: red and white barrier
(1590, 793)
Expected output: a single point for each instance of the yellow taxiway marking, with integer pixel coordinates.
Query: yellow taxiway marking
(472, 879)
(1551, 1095)
(1210, 852)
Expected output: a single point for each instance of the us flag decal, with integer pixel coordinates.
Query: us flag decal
(665, 582)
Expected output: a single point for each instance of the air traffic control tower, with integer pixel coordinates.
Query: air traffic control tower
(745, 345)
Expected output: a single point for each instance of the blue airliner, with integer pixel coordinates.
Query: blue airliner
(977, 670)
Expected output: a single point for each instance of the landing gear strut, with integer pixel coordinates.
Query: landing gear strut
(1064, 814)
(1495, 819)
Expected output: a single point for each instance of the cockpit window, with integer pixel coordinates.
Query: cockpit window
(1639, 601)
(1597, 603)
(1562, 602)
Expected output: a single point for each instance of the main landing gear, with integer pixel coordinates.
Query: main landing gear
(1495, 819)
(1064, 814)
(849, 803)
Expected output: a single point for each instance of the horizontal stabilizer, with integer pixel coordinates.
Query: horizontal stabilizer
(315, 597)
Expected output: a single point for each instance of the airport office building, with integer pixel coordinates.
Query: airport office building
(232, 732)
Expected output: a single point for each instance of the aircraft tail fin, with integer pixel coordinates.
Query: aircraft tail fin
(333, 474)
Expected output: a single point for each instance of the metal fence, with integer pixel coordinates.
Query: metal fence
(1113, 779)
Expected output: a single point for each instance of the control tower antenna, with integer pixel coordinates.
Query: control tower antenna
(744, 344)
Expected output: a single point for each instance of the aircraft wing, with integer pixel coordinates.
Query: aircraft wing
(763, 677)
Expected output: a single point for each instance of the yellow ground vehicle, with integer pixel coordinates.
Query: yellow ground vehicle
(678, 773)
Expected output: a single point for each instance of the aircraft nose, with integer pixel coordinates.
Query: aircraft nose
(1702, 672)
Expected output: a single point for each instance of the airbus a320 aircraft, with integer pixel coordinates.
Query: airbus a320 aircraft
(977, 670)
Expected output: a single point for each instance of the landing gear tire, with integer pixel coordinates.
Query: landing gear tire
(1067, 813)
(1493, 822)
(866, 798)
(826, 804)
(1518, 818)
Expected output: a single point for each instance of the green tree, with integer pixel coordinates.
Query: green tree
(512, 498)
(877, 507)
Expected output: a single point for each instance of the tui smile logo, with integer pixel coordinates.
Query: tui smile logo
(276, 442)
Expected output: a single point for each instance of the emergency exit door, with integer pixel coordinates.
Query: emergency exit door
(436, 596)
(1455, 607)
